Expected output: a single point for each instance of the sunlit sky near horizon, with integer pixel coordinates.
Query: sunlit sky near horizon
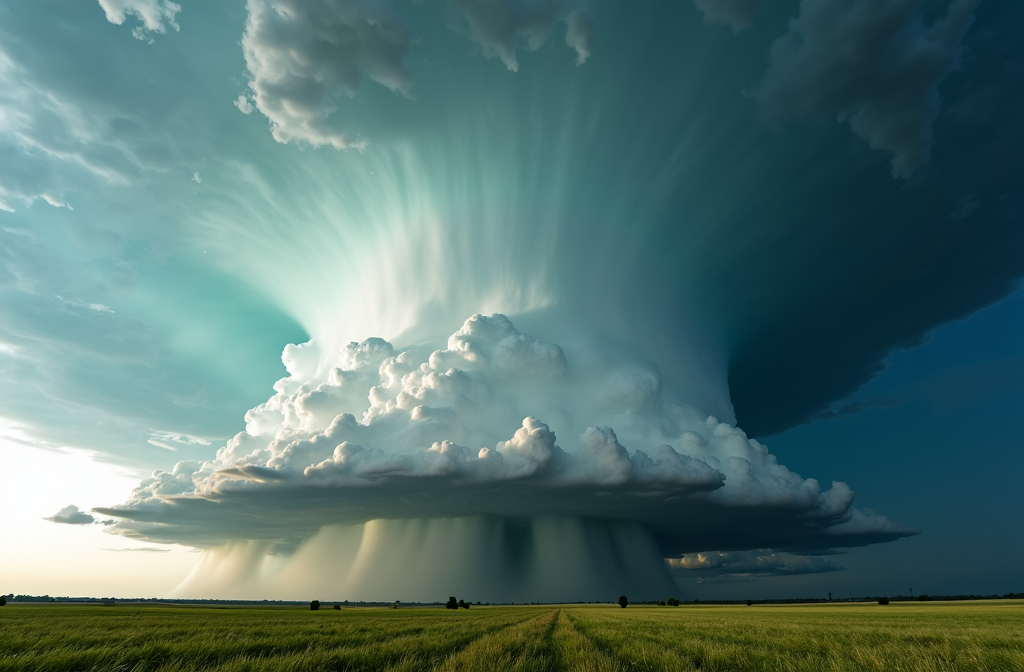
(678, 297)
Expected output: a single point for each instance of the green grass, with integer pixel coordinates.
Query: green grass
(902, 636)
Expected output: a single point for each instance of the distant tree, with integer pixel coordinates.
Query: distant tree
(672, 602)
(3, 600)
(463, 604)
(749, 602)
(314, 605)
(623, 601)
(452, 603)
(924, 598)
(337, 607)
(883, 600)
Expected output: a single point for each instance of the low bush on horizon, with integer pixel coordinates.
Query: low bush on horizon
(910, 636)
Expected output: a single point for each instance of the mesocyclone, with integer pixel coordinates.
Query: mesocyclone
(672, 270)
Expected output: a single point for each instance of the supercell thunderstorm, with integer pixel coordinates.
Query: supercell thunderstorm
(500, 447)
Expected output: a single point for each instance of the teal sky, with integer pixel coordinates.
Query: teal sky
(803, 219)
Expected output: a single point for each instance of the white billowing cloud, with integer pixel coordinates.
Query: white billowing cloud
(72, 515)
(302, 55)
(196, 178)
(579, 33)
(737, 14)
(500, 26)
(376, 432)
(155, 16)
(873, 63)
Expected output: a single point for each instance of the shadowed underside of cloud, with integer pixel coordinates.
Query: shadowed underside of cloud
(382, 434)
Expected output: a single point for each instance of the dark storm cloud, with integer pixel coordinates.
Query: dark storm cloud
(878, 266)
(871, 62)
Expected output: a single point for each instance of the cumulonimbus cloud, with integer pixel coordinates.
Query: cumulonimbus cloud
(873, 63)
(377, 432)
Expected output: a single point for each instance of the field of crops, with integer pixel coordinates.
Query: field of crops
(906, 636)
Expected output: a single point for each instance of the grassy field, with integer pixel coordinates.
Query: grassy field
(905, 636)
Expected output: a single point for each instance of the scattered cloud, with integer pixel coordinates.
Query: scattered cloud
(142, 549)
(579, 33)
(852, 408)
(966, 207)
(498, 25)
(243, 104)
(196, 178)
(883, 81)
(155, 16)
(737, 14)
(501, 26)
(72, 515)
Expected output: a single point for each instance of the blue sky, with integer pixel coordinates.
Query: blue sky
(705, 223)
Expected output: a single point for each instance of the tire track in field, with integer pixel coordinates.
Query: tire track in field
(438, 662)
(623, 661)
(577, 650)
(527, 645)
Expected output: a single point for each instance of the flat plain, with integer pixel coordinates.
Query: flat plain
(901, 636)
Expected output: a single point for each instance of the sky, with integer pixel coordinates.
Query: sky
(522, 299)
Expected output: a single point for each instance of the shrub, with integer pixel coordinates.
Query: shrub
(3, 600)
(463, 604)
(623, 601)
(337, 607)
(452, 603)
(883, 600)
(749, 602)
(672, 602)
(923, 598)
(314, 605)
